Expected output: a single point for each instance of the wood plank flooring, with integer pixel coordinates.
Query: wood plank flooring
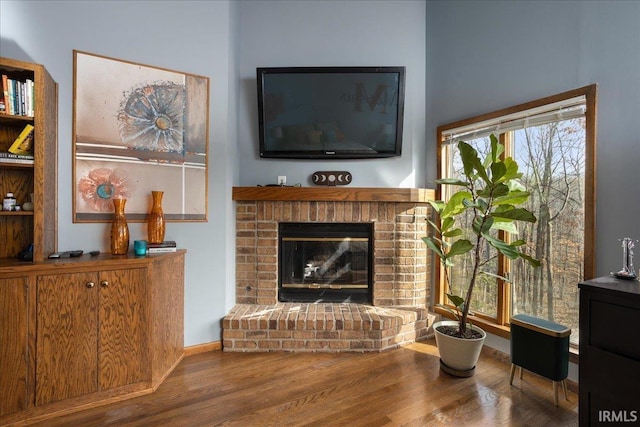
(401, 387)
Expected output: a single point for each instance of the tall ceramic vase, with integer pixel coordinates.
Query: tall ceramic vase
(119, 229)
(155, 223)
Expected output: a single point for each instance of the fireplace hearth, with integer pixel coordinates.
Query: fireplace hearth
(342, 298)
(323, 262)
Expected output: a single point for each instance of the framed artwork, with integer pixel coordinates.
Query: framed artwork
(137, 129)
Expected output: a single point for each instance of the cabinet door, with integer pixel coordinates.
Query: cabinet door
(14, 341)
(66, 337)
(123, 340)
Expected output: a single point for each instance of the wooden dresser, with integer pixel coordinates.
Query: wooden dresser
(609, 376)
(79, 332)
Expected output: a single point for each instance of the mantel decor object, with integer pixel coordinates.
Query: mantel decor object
(628, 271)
(119, 229)
(155, 223)
(331, 178)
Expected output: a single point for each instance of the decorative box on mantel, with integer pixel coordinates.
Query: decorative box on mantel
(400, 262)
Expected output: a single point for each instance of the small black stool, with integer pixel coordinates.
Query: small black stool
(542, 347)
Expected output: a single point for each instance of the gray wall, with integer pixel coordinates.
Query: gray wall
(323, 33)
(225, 40)
(191, 36)
(484, 56)
(463, 59)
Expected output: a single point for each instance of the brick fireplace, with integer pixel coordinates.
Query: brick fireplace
(401, 268)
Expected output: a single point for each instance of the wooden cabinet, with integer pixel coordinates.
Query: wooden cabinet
(76, 332)
(14, 344)
(20, 229)
(91, 333)
(609, 351)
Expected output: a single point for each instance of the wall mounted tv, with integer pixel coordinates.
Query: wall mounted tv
(330, 112)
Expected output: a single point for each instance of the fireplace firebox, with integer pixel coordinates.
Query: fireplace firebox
(325, 262)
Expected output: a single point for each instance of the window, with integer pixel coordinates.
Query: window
(553, 141)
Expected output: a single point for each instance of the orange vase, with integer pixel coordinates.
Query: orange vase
(119, 229)
(155, 222)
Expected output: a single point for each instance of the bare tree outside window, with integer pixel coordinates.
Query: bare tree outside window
(553, 141)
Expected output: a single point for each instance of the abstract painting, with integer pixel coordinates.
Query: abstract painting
(137, 129)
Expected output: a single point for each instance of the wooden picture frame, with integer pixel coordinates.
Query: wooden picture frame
(137, 129)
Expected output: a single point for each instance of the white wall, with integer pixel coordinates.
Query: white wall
(191, 36)
(325, 33)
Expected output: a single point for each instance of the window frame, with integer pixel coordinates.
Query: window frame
(500, 325)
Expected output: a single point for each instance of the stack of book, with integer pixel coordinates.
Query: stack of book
(16, 158)
(17, 97)
(157, 248)
(21, 150)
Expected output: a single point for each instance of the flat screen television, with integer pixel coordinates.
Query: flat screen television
(330, 112)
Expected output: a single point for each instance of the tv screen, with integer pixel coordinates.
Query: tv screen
(330, 112)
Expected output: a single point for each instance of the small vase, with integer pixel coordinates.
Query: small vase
(119, 229)
(155, 222)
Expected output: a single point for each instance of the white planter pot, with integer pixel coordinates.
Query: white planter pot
(458, 354)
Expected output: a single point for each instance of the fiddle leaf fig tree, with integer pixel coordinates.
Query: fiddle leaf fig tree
(490, 192)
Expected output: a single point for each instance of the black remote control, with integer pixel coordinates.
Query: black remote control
(66, 254)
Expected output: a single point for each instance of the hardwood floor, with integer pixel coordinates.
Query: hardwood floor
(401, 387)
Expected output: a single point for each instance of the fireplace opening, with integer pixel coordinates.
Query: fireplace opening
(320, 262)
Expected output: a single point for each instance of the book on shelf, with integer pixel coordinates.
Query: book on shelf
(16, 156)
(165, 244)
(18, 96)
(5, 92)
(23, 144)
(14, 160)
(161, 250)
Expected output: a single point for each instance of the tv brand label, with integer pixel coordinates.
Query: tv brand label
(606, 416)
(380, 98)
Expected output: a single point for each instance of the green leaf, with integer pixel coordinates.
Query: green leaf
(456, 301)
(447, 223)
(531, 260)
(498, 169)
(471, 162)
(434, 245)
(449, 309)
(453, 233)
(513, 197)
(507, 226)
(482, 225)
(434, 225)
(516, 214)
(460, 247)
(437, 205)
(455, 205)
(504, 248)
(496, 148)
(451, 181)
(511, 171)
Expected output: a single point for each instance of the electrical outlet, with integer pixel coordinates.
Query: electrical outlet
(282, 180)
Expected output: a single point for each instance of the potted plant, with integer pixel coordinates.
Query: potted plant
(490, 193)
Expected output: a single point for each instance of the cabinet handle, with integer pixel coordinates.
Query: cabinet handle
(104, 283)
(90, 284)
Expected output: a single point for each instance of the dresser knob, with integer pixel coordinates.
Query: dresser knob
(104, 283)
(90, 284)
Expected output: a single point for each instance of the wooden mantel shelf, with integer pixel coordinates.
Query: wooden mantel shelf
(334, 194)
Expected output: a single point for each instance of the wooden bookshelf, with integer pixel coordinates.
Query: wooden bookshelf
(19, 229)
